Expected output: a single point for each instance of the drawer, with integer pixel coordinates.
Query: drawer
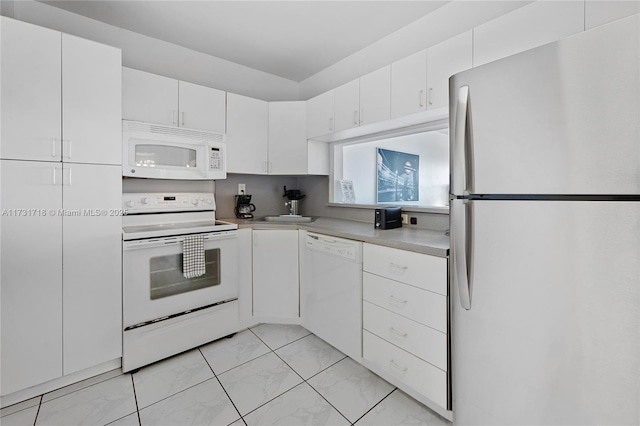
(420, 340)
(416, 304)
(425, 378)
(420, 270)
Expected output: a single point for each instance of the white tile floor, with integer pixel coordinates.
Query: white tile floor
(269, 374)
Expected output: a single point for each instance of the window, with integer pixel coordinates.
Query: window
(397, 169)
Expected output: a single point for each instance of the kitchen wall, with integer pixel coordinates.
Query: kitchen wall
(266, 193)
(156, 56)
(316, 204)
(450, 20)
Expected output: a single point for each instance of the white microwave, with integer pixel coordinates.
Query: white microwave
(166, 152)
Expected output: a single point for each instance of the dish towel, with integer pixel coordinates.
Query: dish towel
(193, 256)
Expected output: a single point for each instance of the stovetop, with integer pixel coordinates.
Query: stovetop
(153, 215)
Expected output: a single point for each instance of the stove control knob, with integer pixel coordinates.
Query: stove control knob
(130, 203)
(195, 201)
(144, 200)
(209, 201)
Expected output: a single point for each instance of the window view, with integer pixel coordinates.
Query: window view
(407, 170)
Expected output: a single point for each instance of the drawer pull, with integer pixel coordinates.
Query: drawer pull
(395, 365)
(398, 333)
(396, 266)
(397, 299)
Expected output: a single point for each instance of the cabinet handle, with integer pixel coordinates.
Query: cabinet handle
(182, 118)
(68, 153)
(396, 266)
(70, 170)
(355, 117)
(331, 124)
(420, 95)
(54, 176)
(53, 147)
(361, 116)
(397, 299)
(174, 118)
(430, 96)
(395, 365)
(398, 333)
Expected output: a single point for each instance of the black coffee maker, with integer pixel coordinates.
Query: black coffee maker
(244, 207)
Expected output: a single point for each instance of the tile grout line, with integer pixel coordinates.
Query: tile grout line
(303, 379)
(375, 405)
(38, 412)
(222, 386)
(135, 398)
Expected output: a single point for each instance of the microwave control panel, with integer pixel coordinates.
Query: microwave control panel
(215, 159)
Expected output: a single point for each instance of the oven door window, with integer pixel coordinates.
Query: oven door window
(148, 155)
(167, 279)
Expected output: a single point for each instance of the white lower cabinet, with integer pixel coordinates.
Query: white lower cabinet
(92, 266)
(275, 275)
(61, 278)
(405, 322)
(31, 277)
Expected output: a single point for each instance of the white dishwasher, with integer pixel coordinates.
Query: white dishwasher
(331, 286)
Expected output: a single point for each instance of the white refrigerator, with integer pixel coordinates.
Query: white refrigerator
(545, 234)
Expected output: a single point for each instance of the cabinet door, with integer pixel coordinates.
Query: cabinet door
(91, 102)
(275, 274)
(92, 267)
(31, 277)
(31, 92)
(247, 133)
(409, 84)
(201, 107)
(320, 115)
(149, 97)
(444, 60)
(530, 26)
(347, 105)
(287, 138)
(375, 96)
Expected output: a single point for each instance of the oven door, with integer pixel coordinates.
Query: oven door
(154, 286)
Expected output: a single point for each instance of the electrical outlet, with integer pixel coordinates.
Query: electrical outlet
(405, 219)
(242, 188)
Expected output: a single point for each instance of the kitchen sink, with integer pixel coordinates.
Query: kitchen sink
(288, 218)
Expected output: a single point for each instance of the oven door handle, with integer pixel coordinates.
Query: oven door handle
(169, 241)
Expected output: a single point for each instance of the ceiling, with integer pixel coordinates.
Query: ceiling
(291, 39)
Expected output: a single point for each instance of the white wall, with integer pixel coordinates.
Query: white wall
(450, 20)
(359, 165)
(157, 56)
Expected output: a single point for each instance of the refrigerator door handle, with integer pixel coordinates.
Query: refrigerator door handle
(461, 219)
(460, 183)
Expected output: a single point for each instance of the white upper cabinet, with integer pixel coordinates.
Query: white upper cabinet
(247, 132)
(533, 25)
(600, 12)
(60, 97)
(320, 115)
(409, 85)
(347, 106)
(149, 97)
(31, 92)
(444, 60)
(201, 107)
(156, 99)
(91, 102)
(287, 138)
(375, 96)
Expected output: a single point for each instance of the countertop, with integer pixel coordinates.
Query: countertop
(435, 243)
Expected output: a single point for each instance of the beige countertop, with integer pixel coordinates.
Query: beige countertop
(435, 243)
